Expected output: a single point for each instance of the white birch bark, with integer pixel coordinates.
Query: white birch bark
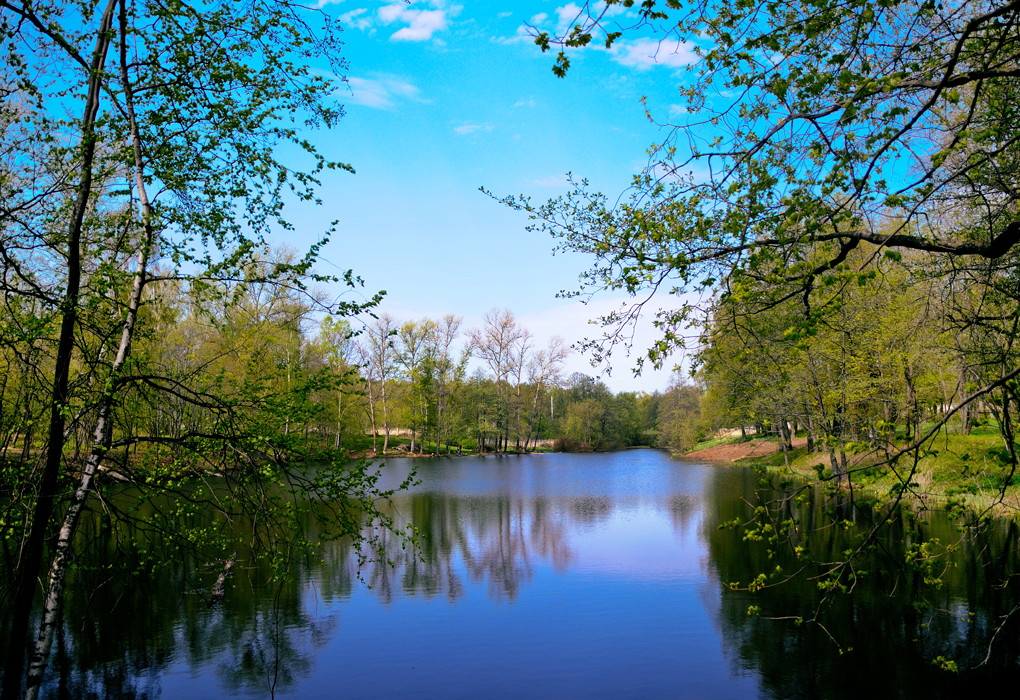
(58, 566)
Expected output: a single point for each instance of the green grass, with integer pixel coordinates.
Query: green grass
(953, 471)
(717, 441)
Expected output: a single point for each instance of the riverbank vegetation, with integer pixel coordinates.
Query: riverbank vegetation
(883, 382)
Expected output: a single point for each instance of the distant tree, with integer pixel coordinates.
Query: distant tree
(448, 373)
(337, 340)
(679, 415)
(381, 364)
(411, 348)
(495, 343)
(544, 371)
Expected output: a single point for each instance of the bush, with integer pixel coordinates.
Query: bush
(565, 444)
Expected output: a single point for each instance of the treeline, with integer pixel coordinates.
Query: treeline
(406, 385)
(887, 352)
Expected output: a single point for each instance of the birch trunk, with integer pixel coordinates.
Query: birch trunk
(101, 436)
(31, 558)
(371, 410)
(385, 418)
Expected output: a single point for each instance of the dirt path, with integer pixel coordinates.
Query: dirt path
(740, 450)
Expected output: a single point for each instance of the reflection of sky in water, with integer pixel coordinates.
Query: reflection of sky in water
(549, 576)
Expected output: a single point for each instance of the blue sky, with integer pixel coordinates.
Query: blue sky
(444, 98)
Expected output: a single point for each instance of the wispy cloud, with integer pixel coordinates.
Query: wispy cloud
(567, 16)
(421, 24)
(525, 103)
(465, 129)
(558, 181)
(356, 19)
(648, 53)
(503, 15)
(383, 91)
(523, 33)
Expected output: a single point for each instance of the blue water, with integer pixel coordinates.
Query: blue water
(559, 576)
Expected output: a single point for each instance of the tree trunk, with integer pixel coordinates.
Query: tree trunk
(339, 420)
(32, 554)
(911, 401)
(838, 472)
(385, 418)
(371, 411)
(101, 440)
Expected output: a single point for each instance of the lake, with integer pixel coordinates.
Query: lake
(555, 576)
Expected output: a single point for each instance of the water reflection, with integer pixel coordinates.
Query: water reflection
(880, 640)
(555, 575)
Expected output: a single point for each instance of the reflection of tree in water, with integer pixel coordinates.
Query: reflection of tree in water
(893, 621)
(492, 539)
(683, 509)
(591, 509)
(276, 652)
(121, 631)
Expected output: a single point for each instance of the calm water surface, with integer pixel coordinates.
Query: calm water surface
(545, 576)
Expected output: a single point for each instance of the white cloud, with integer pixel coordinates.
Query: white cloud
(322, 3)
(421, 24)
(358, 19)
(391, 12)
(383, 91)
(646, 53)
(503, 15)
(559, 181)
(465, 129)
(525, 103)
(567, 15)
(538, 19)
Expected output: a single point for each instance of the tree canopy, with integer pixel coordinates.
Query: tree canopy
(810, 128)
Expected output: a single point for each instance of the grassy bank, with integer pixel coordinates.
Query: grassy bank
(952, 471)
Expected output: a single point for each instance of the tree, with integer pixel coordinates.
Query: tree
(448, 375)
(382, 358)
(496, 342)
(680, 415)
(364, 355)
(167, 179)
(337, 340)
(520, 359)
(412, 341)
(544, 371)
